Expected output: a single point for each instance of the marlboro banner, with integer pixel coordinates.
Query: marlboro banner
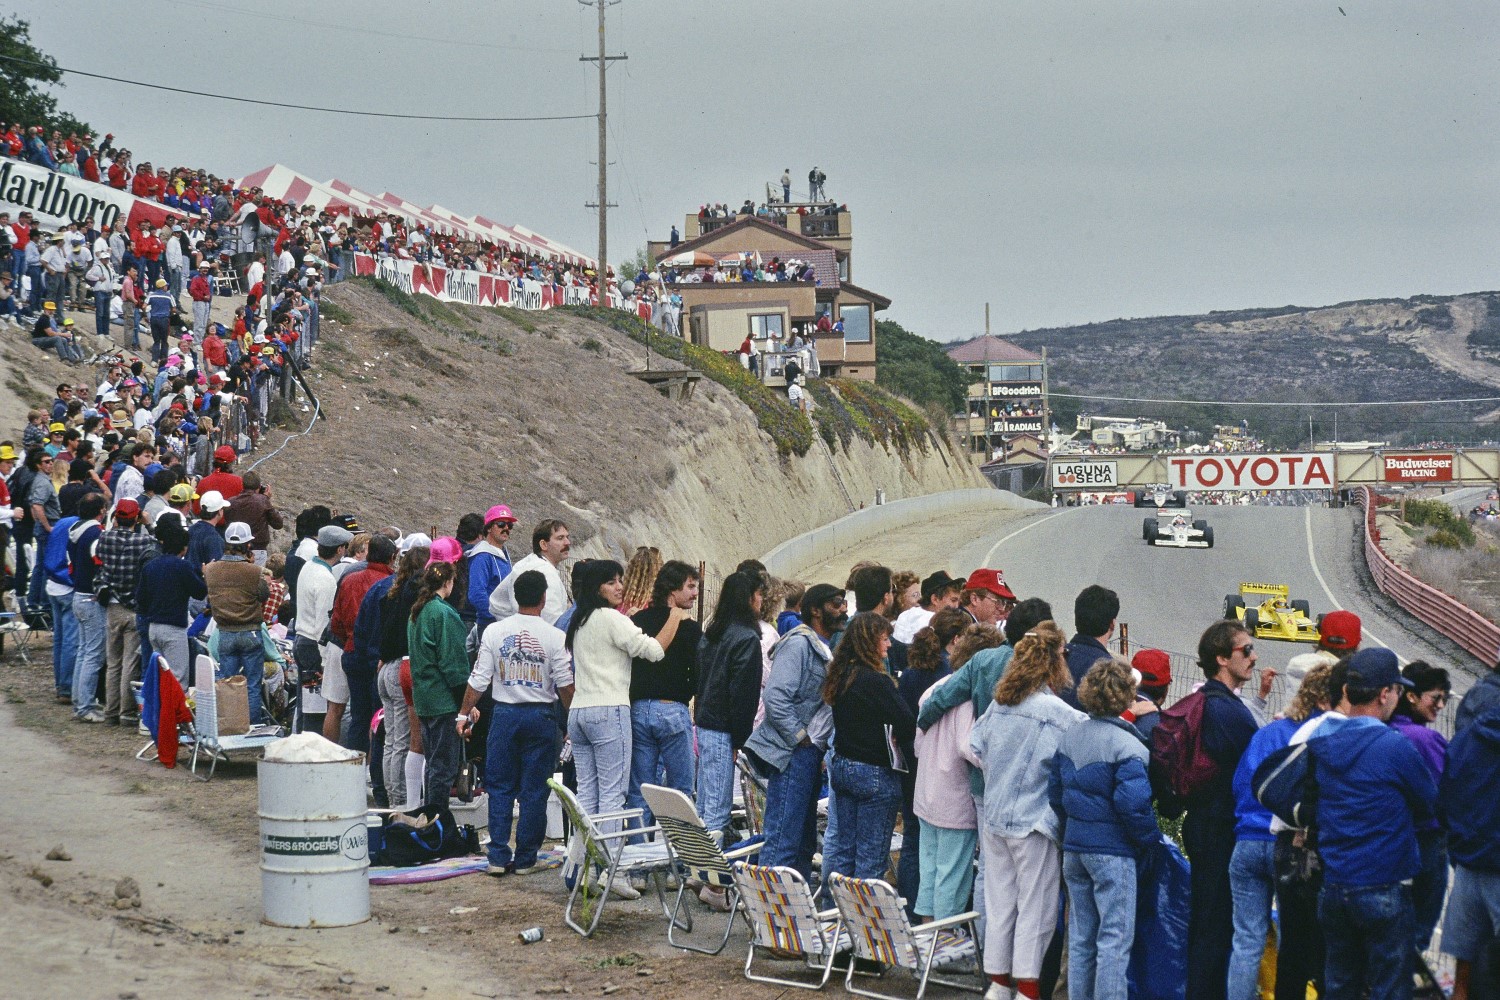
(55, 199)
(477, 288)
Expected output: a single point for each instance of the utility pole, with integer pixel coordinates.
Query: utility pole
(602, 204)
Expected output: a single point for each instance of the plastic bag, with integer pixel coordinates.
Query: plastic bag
(1158, 960)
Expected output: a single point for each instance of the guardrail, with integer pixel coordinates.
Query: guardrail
(1441, 611)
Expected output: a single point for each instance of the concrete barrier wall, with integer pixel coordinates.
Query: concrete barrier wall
(794, 555)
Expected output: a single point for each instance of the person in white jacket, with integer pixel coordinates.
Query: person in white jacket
(550, 545)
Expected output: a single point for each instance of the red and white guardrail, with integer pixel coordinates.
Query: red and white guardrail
(1441, 611)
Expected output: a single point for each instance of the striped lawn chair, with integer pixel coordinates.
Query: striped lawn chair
(785, 923)
(872, 914)
(595, 859)
(698, 856)
(753, 795)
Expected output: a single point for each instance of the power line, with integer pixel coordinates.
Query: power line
(1246, 402)
(293, 107)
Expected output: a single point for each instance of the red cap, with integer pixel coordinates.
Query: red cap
(989, 579)
(127, 510)
(1339, 631)
(224, 453)
(1155, 667)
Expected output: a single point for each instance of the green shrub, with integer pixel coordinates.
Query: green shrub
(1445, 539)
(791, 431)
(1440, 516)
(845, 409)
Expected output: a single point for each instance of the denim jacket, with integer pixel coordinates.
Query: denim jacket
(1013, 745)
(793, 696)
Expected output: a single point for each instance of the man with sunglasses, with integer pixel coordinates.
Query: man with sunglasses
(489, 563)
(1226, 655)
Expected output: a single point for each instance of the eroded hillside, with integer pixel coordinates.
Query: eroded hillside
(1428, 347)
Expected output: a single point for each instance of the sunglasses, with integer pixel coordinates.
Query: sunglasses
(1247, 648)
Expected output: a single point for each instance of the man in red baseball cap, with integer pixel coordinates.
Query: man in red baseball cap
(1339, 633)
(1155, 668)
(222, 478)
(986, 597)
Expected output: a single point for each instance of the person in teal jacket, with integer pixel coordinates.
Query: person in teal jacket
(439, 667)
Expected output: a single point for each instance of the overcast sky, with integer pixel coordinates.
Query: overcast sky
(1066, 162)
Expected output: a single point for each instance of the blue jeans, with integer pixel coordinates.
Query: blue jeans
(867, 798)
(241, 653)
(38, 289)
(1430, 885)
(1368, 933)
(1252, 881)
(791, 818)
(715, 779)
(92, 630)
(101, 314)
(601, 757)
(522, 752)
(1101, 924)
(64, 642)
(662, 740)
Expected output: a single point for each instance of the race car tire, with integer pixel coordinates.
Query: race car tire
(1148, 529)
(1232, 603)
(1252, 620)
(1208, 536)
(1303, 607)
(1200, 525)
(1179, 498)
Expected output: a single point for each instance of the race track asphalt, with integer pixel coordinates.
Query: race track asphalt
(1169, 596)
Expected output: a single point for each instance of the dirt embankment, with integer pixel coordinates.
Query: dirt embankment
(538, 411)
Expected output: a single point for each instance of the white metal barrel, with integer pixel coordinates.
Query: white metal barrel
(314, 846)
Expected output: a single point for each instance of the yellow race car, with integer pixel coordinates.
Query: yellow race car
(1275, 617)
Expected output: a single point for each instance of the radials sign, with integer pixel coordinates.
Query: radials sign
(1418, 468)
(1234, 471)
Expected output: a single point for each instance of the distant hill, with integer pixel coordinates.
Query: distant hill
(1426, 347)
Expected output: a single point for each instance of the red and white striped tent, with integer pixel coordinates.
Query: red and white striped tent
(285, 184)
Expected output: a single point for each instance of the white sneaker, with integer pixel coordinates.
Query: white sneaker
(998, 992)
(621, 888)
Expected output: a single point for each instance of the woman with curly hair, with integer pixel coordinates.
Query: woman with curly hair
(439, 668)
(1099, 788)
(867, 712)
(640, 577)
(1013, 744)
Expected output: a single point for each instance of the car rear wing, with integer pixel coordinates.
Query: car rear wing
(1276, 589)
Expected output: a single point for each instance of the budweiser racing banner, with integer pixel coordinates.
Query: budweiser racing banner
(476, 288)
(55, 199)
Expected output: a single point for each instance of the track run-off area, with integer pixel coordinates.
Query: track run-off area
(1168, 596)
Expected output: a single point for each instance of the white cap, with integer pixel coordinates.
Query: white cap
(412, 541)
(238, 533)
(212, 502)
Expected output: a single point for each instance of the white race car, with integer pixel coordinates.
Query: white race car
(1176, 528)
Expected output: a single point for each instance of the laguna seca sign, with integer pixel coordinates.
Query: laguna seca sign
(1417, 468)
(1083, 475)
(1234, 471)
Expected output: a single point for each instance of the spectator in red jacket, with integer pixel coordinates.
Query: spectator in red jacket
(119, 173)
(215, 350)
(148, 249)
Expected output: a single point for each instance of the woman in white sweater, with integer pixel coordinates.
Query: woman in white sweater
(603, 641)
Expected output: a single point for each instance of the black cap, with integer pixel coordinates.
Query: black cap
(935, 583)
(818, 595)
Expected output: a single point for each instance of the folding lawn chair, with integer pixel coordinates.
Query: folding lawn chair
(698, 856)
(875, 919)
(15, 627)
(187, 736)
(785, 922)
(207, 740)
(596, 859)
(753, 793)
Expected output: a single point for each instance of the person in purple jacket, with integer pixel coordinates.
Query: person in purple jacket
(1418, 709)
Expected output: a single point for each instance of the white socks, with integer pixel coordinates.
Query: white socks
(416, 767)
